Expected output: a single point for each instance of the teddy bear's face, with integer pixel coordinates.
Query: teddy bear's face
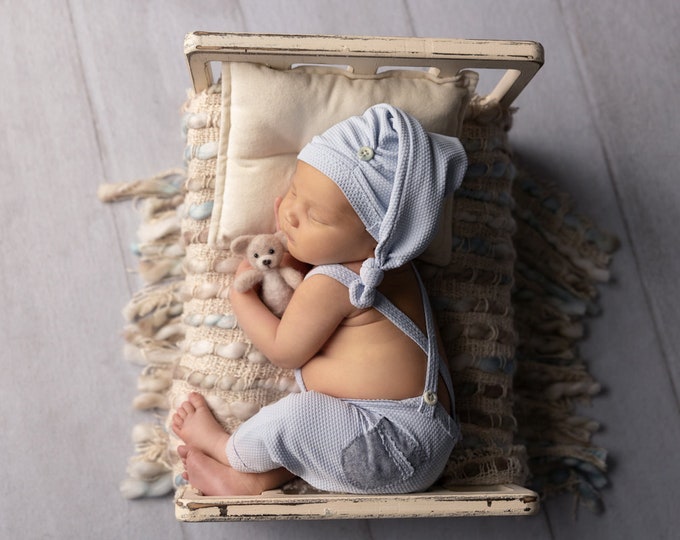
(265, 252)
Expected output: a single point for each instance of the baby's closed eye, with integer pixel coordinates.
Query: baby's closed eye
(317, 218)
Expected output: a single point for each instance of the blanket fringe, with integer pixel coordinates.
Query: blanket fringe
(154, 328)
(163, 185)
(561, 259)
(148, 472)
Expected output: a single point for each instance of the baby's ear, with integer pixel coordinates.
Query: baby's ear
(240, 243)
(280, 235)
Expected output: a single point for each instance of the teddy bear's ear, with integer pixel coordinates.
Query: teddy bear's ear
(240, 243)
(281, 237)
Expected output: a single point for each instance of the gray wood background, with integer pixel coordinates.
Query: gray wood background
(91, 91)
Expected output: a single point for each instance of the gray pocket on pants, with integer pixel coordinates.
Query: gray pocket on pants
(384, 455)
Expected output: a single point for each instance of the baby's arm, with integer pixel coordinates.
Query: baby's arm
(317, 308)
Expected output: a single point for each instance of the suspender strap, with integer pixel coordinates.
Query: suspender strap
(345, 276)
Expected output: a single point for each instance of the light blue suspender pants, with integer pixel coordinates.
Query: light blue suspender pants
(355, 446)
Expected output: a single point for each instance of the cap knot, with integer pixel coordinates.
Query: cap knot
(362, 291)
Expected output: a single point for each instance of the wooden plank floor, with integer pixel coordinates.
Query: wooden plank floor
(91, 93)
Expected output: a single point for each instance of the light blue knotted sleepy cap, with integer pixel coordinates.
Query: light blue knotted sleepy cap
(396, 177)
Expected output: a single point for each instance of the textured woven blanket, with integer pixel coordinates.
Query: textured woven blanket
(511, 304)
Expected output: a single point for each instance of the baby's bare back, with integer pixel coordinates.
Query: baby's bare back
(370, 358)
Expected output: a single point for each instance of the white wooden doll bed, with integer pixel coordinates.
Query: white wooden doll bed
(362, 56)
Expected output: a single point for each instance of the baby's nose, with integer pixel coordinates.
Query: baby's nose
(291, 217)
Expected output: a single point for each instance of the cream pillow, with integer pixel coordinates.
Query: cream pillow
(268, 115)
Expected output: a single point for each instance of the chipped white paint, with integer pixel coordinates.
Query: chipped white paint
(501, 500)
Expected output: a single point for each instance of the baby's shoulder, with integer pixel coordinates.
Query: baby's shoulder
(322, 287)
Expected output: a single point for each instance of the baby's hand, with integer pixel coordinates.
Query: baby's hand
(247, 284)
(243, 266)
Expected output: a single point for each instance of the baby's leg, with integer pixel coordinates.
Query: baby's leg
(196, 425)
(214, 478)
(204, 456)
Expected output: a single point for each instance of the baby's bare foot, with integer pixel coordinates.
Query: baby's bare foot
(214, 478)
(195, 424)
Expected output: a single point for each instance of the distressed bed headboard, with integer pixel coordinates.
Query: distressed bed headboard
(520, 60)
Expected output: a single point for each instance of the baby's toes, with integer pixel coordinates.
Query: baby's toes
(196, 401)
(182, 452)
(185, 409)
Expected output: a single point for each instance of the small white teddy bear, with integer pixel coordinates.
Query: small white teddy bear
(265, 253)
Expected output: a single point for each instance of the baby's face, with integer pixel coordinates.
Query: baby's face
(320, 224)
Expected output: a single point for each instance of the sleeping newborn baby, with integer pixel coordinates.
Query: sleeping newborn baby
(375, 410)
